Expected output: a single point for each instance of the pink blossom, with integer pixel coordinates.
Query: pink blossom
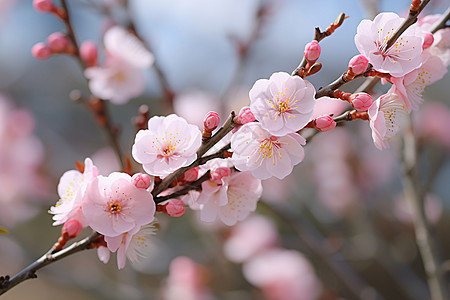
(185, 281)
(72, 191)
(44, 5)
(58, 41)
(264, 155)
(121, 78)
(441, 41)
(71, 228)
(250, 237)
(245, 115)
(113, 205)
(283, 104)
(399, 59)
(141, 181)
(329, 106)
(361, 101)
(41, 51)
(432, 123)
(283, 274)
(88, 53)
(168, 144)
(411, 86)
(211, 121)
(131, 244)
(230, 198)
(172, 207)
(387, 116)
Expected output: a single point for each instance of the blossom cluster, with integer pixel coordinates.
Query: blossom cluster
(266, 142)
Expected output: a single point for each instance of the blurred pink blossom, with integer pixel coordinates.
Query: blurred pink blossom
(250, 237)
(431, 123)
(404, 211)
(185, 281)
(282, 104)
(121, 78)
(283, 274)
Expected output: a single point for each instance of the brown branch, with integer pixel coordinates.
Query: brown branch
(441, 23)
(30, 272)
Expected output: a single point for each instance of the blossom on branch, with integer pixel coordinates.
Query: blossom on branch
(387, 116)
(283, 103)
(121, 78)
(400, 58)
(72, 190)
(114, 205)
(263, 154)
(168, 144)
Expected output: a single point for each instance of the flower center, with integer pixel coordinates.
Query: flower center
(283, 106)
(115, 208)
(168, 149)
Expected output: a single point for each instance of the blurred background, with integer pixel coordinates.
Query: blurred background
(343, 203)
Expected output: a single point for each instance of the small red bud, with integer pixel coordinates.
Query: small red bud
(211, 121)
(325, 123)
(312, 51)
(358, 64)
(44, 5)
(41, 51)
(71, 229)
(245, 116)
(428, 40)
(88, 53)
(219, 173)
(191, 175)
(58, 42)
(173, 207)
(361, 101)
(141, 181)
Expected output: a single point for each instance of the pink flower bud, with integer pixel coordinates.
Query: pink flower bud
(245, 115)
(219, 173)
(88, 53)
(361, 101)
(312, 51)
(173, 207)
(41, 51)
(58, 42)
(428, 40)
(191, 175)
(71, 228)
(211, 121)
(141, 181)
(44, 5)
(325, 123)
(358, 64)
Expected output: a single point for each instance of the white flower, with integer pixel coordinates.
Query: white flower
(283, 104)
(256, 150)
(168, 144)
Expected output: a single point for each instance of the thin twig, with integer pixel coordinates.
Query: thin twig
(441, 22)
(48, 258)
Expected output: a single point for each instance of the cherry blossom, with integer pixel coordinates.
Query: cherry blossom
(387, 116)
(400, 58)
(72, 190)
(169, 143)
(131, 244)
(121, 78)
(114, 205)
(441, 43)
(282, 104)
(411, 86)
(232, 200)
(263, 154)
(283, 274)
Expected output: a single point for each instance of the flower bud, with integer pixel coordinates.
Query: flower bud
(88, 53)
(361, 101)
(71, 229)
(141, 181)
(219, 173)
(245, 116)
(41, 51)
(58, 42)
(312, 51)
(191, 175)
(358, 64)
(44, 5)
(428, 40)
(173, 207)
(325, 123)
(211, 121)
